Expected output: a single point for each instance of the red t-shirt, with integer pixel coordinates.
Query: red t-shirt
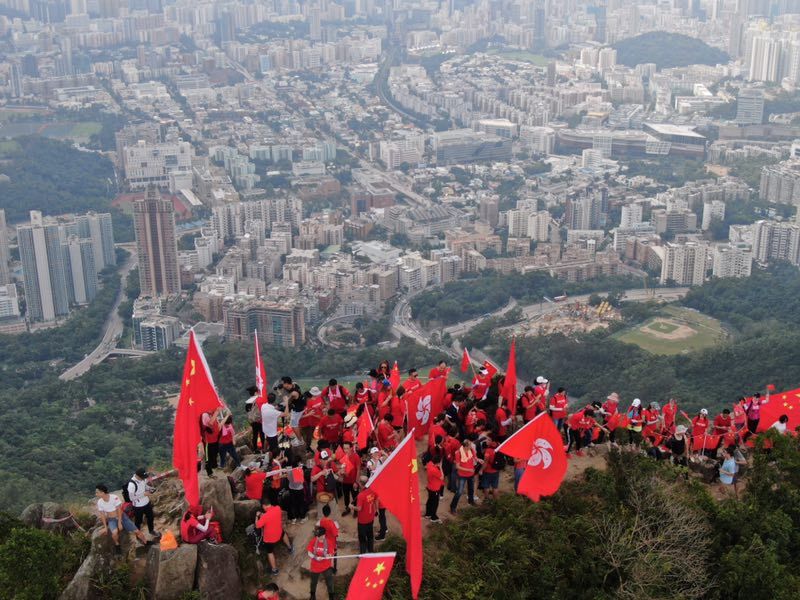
(722, 424)
(352, 462)
(367, 503)
(254, 485)
(668, 412)
(528, 405)
(330, 428)
(331, 532)
(501, 415)
(409, 385)
(574, 420)
(435, 476)
(450, 445)
(435, 430)
(320, 483)
(488, 457)
(699, 426)
(558, 406)
(435, 373)
(465, 462)
(320, 547)
(397, 406)
(313, 412)
(386, 438)
(337, 397)
(271, 525)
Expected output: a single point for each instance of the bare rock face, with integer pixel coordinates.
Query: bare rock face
(245, 511)
(49, 516)
(171, 573)
(97, 564)
(216, 493)
(218, 571)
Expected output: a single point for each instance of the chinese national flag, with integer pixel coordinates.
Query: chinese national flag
(198, 396)
(261, 375)
(365, 427)
(371, 576)
(465, 360)
(490, 367)
(394, 377)
(781, 403)
(617, 421)
(423, 404)
(509, 391)
(705, 442)
(396, 482)
(540, 443)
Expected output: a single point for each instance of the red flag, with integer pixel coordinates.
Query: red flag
(509, 391)
(466, 361)
(705, 442)
(371, 576)
(261, 374)
(297, 474)
(540, 443)
(198, 396)
(490, 367)
(781, 403)
(396, 482)
(394, 377)
(423, 404)
(770, 387)
(617, 421)
(365, 428)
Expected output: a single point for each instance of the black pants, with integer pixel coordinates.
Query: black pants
(258, 434)
(366, 538)
(752, 425)
(348, 494)
(382, 522)
(272, 442)
(297, 504)
(432, 505)
(212, 452)
(327, 575)
(140, 513)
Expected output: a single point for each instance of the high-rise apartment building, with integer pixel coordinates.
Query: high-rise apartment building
(685, 264)
(732, 260)
(750, 107)
(98, 228)
(42, 256)
(80, 268)
(156, 244)
(278, 323)
(776, 241)
(5, 275)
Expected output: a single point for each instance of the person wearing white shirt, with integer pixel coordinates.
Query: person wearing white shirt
(269, 423)
(139, 493)
(781, 424)
(109, 509)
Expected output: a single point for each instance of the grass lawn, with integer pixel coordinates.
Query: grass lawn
(521, 55)
(86, 129)
(7, 147)
(705, 332)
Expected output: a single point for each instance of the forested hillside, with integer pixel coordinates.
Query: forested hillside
(667, 50)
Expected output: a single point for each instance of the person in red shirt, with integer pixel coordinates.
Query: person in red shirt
(270, 592)
(558, 408)
(397, 408)
(435, 475)
(226, 444)
(437, 429)
(324, 476)
(312, 415)
(270, 522)
(530, 406)
(503, 419)
(211, 432)
(321, 556)
(337, 397)
(365, 508)
(580, 426)
(481, 383)
(608, 411)
(331, 427)
(385, 395)
(387, 438)
(652, 422)
(466, 461)
(254, 484)
(723, 422)
(439, 371)
(700, 427)
(331, 528)
(669, 413)
(349, 433)
(540, 392)
(413, 381)
(352, 464)
(740, 414)
(490, 473)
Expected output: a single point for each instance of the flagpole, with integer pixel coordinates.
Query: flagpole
(372, 555)
(518, 431)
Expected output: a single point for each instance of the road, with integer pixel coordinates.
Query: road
(464, 326)
(113, 327)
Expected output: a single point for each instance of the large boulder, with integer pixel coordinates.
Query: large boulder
(216, 492)
(245, 511)
(32, 515)
(98, 563)
(48, 516)
(171, 573)
(218, 571)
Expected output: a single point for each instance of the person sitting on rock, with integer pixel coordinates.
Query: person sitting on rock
(270, 592)
(196, 525)
(109, 508)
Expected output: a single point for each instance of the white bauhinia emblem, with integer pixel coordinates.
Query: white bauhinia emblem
(541, 454)
(424, 409)
(259, 381)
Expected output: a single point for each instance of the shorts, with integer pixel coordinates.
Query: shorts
(490, 481)
(269, 547)
(294, 418)
(127, 524)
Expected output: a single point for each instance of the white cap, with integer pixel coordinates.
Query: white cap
(324, 455)
(680, 429)
(483, 371)
(637, 402)
(541, 379)
(703, 411)
(315, 391)
(374, 450)
(350, 420)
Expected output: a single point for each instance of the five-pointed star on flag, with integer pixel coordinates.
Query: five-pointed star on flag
(379, 568)
(414, 465)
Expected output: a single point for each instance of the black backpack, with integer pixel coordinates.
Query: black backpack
(125, 495)
(499, 461)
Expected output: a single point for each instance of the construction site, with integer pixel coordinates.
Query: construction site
(568, 318)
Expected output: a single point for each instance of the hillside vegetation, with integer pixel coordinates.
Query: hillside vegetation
(667, 50)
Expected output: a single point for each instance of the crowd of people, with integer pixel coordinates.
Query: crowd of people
(309, 456)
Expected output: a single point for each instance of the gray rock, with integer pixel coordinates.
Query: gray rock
(98, 563)
(171, 574)
(216, 493)
(218, 571)
(32, 515)
(245, 511)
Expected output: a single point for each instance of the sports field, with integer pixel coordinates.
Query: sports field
(674, 331)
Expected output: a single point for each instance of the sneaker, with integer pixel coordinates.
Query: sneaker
(274, 571)
(293, 522)
(436, 520)
(380, 536)
(428, 517)
(291, 549)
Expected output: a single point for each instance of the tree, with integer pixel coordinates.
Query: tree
(26, 552)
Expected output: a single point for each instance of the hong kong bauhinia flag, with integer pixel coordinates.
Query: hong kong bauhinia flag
(371, 576)
(396, 482)
(540, 443)
(198, 396)
(423, 404)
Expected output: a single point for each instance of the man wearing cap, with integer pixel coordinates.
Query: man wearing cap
(269, 423)
(139, 493)
(313, 412)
